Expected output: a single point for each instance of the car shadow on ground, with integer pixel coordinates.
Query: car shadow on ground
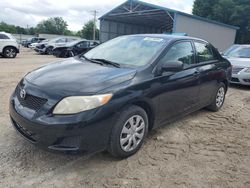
(241, 87)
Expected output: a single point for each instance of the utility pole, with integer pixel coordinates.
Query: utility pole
(94, 27)
(27, 29)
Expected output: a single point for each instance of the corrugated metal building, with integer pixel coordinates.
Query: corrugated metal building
(134, 17)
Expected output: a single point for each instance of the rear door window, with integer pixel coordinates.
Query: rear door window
(62, 40)
(2, 36)
(70, 39)
(204, 52)
(84, 44)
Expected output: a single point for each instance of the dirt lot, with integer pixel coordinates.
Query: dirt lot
(202, 150)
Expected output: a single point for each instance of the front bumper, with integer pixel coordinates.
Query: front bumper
(68, 136)
(241, 78)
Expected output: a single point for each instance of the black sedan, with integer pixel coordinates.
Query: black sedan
(74, 48)
(109, 98)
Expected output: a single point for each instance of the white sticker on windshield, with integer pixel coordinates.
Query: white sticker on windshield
(153, 39)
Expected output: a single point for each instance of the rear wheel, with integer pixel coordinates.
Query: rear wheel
(9, 52)
(70, 53)
(49, 50)
(129, 132)
(218, 99)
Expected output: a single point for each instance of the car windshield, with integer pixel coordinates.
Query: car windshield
(132, 51)
(239, 52)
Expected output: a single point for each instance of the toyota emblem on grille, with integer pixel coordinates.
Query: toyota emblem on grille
(22, 93)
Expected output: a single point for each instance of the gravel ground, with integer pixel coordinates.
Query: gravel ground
(204, 149)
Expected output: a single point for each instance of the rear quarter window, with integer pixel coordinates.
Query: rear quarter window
(204, 52)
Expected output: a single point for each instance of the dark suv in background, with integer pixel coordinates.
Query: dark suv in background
(110, 97)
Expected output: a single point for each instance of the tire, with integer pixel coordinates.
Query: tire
(70, 53)
(218, 99)
(125, 139)
(49, 50)
(9, 52)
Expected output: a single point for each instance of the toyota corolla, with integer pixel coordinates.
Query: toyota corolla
(109, 98)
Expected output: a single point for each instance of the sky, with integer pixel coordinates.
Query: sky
(76, 12)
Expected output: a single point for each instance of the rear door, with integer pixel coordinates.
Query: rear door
(4, 39)
(178, 91)
(209, 71)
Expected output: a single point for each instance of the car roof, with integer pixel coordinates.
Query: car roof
(170, 37)
(2, 32)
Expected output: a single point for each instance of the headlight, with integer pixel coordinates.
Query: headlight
(75, 104)
(247, 70)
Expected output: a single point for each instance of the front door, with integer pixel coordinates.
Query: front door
(179, 91)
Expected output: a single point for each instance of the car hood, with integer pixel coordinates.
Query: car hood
(74, 76)
(239, 62)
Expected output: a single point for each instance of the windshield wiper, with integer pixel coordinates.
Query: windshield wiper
(91, 60)
(107, 62)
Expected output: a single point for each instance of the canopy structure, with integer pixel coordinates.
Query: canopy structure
(134, 17)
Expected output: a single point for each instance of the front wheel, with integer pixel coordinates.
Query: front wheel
(218, 99)
(129, 132)
(9, 52)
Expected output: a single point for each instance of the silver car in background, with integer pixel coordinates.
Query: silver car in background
(239, 56)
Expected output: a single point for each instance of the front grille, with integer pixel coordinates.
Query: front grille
(236, 70)
(30, 101)
(25, 132)
(235, 80)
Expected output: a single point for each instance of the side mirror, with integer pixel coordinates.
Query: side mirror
(173, 66)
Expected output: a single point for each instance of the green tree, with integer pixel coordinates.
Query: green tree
(234, 12)
(7, 28)
(204, 8)
(223, 11)
(87, 31)
(54, 25)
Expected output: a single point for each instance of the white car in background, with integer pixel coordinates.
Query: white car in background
(33, 45)
(9, 47)
(239, 56)
(57, 42)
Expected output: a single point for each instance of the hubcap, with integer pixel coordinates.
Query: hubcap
(71, 54)
(220, 97)
(132, 133)
(10, 52)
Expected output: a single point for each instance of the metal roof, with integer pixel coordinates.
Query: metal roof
(142, 13)
(168, 37)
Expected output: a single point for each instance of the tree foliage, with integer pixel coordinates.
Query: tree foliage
(16, 29)
(234, 12)
(54, 25)
(88, 30)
